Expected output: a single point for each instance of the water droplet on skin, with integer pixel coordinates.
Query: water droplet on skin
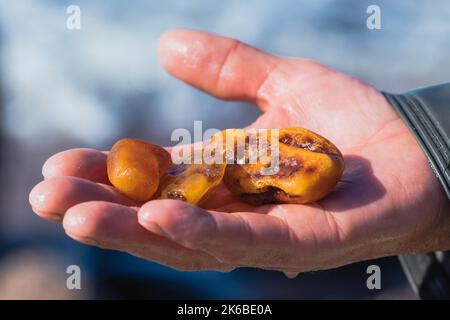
(291, 275)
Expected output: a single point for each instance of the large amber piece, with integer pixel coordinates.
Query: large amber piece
(308, 168)
(135, 168)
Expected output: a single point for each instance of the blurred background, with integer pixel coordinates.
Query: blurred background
(62, 88)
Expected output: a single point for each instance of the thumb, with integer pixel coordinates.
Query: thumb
(223, 67)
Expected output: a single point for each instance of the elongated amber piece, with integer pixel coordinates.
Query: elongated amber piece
(191, 182)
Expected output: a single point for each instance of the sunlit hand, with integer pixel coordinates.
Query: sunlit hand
(388, 202)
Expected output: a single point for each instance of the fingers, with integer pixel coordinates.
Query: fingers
(246, 238)
(51, 198)
(83, 163)
(223, 67)
(291, 238)
(115, 226)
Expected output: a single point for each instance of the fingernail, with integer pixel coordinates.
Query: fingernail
(74, 221)
(279, 209)
(146, 216)
(48, 169)
(176, 46)
(37, 198)
(152, 226)
(184, 52)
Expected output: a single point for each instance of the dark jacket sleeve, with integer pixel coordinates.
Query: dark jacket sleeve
(427, 114)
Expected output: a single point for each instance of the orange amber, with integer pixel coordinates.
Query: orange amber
(135, 168)
(308, 168)
(191, 182)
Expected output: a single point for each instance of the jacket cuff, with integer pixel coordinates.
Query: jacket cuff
(427, 114)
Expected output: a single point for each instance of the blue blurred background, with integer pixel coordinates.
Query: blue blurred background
(63, 88)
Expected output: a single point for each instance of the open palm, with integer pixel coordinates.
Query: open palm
(387, 202)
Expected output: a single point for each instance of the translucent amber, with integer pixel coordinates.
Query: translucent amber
(191, 182)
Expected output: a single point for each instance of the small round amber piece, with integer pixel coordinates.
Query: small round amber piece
(135, 168)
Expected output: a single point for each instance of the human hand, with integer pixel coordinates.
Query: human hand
(388, 202)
